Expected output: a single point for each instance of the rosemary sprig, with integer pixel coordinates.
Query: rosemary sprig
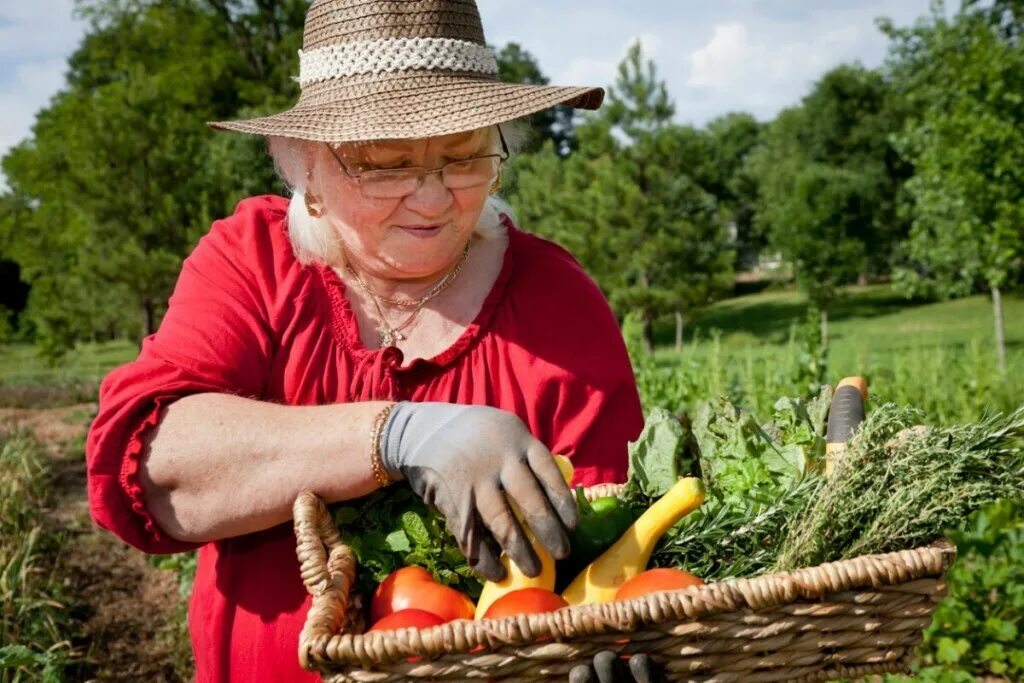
(720, 540)
(900, 485)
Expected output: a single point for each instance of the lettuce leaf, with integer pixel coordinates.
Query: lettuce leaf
(655, 457)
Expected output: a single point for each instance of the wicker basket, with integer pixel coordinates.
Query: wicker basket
(841, 619)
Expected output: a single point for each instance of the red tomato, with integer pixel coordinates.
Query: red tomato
(654, 580)
(405, 618)
(525, 601)
(415, 588)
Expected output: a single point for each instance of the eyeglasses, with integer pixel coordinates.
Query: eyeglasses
(395, 183)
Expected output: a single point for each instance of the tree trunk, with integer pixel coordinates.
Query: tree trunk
(997, 310)
(649, 331)
(645, 282)
(824, 326)
(679, 331)
(150, 311)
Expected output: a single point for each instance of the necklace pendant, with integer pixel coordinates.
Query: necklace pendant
(388, 336)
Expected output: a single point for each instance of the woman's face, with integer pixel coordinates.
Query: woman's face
(413, 237)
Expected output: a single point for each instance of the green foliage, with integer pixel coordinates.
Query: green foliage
(963, 79)
(724, 172)
(758, 477)
(184, 567)
(654, 458)
(901, 485)
(978, 629)
(121, 175)
(741, 461)
(34, 623)
(827, 176)
(393, 528)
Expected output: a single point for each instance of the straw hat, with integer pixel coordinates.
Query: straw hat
(401, 69)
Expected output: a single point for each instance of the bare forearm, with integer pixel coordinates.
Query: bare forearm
(219, 465)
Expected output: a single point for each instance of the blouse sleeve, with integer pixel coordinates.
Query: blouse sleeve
(215, 337)
(588, 407)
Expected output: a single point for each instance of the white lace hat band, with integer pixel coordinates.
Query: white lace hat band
(390, 55)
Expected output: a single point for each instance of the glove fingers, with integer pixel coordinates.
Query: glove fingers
(551, 480)
(462, 521)
(582, 673)
(608, 667)
(484, 552)
(644, 669)
(497, 516)
(522, 487)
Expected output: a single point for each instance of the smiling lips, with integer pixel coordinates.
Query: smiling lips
(422, 230)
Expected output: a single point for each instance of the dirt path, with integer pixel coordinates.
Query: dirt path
(130, 611)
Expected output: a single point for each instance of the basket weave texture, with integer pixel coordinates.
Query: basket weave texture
(840, 619)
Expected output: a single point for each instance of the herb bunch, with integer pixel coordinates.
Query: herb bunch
(757, 476)
(722, 540)
(901, 485)
(393, 528)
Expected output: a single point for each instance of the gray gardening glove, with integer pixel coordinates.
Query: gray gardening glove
(607, 667)
(464, 461)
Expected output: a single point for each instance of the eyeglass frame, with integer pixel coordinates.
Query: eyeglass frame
(502, 156)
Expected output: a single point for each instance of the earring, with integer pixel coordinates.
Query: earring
(313, 206)
(496, 185)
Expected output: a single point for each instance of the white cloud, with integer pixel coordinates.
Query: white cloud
(721, 62)
(764, 66)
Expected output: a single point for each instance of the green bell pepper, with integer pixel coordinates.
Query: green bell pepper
(601, 523)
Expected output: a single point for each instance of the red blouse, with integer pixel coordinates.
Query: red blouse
(247, 318)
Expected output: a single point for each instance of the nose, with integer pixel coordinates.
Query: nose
(431, 198)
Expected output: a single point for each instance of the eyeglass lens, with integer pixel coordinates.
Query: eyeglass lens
(456, 175)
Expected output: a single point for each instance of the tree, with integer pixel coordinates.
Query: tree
(824, 215)
(834, 147)
(724, 173)
(516, 65)
(121, 175)
(626, 205)
(963, 79)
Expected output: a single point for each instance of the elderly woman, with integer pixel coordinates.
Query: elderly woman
(387, 323)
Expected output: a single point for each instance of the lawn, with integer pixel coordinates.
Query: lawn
(19, 363)
(938, 356)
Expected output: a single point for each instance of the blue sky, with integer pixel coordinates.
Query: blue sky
(715, 55)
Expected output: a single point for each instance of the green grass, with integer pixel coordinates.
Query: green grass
(938, 356)
(872, 318)
(34, 622)
(28, 381)
(19, 363)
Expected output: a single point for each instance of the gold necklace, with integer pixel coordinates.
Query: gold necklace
(389, 334)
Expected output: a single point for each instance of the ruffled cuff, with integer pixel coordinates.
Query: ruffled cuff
(132, 487)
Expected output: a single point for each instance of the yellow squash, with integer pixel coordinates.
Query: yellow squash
(629, 556)
(514, 578)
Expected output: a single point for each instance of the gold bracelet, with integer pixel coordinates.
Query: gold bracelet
(380, 473)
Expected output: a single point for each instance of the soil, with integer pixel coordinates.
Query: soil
(130, 614)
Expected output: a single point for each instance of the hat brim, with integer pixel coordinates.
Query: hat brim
(416, 106)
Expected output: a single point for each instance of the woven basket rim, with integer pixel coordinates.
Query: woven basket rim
(323, 648)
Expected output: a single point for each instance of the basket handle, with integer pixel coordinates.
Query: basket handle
(328, 569)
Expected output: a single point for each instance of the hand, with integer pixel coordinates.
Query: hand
(607, 667)
(464, 461)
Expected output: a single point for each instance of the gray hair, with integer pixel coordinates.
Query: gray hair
(314, 238)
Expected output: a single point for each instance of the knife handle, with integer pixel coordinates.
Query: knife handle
(844, 414)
